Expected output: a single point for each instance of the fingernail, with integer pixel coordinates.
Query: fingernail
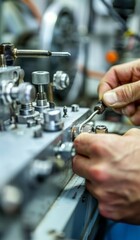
(110, 98)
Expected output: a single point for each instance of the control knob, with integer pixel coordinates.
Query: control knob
(61, 80)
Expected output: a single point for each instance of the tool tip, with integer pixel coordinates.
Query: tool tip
(61, 54)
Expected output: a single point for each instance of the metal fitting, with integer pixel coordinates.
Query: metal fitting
(52, 120)
(60, 80)
(101, 129)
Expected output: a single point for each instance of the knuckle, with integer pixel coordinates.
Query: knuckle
(95, 147)
(129, 93)
(99, 173)
(110, 212)
(132, 131)
(112, 69)
(126, 93)
(98, 147)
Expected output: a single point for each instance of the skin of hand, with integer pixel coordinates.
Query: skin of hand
(110, 164)
(119, 89)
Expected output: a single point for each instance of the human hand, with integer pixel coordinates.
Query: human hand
(119, 89)
(111, 166)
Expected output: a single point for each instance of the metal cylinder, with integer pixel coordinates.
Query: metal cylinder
(52, 120)
(40, 78)
(26, 93)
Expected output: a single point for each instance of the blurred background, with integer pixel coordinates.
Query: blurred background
(97, 33)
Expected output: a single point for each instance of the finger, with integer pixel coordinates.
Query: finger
(134, 132)
(119, 211)
(111, 212)
(95, 189)
(129, 110)
(122, 95)
(109, 206)
(96, 145)
(87, 168)
(87, 144)
(119, 75)
(84, 144)
(108, 192)
(135, 118)
(81, 166)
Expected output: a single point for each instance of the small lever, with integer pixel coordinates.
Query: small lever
(98, 109)
(100, 106)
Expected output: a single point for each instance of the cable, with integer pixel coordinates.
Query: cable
(115, 15)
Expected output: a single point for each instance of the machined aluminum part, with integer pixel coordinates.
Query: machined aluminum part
(9, 76)
(52, 120)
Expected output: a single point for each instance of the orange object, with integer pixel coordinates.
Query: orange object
(91, 74)
(112, 56)
(34, 9)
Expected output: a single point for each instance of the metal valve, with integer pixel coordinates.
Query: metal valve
(24, 93)
(40, 79)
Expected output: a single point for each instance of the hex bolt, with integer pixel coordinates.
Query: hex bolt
(101, 129)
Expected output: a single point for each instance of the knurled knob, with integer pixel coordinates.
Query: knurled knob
(61, 80)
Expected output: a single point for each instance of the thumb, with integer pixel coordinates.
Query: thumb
(122, 95)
